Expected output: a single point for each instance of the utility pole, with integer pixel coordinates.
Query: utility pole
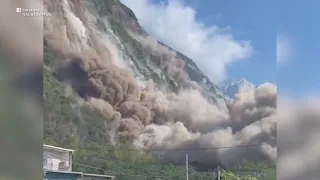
(187, 167)
(219, 173)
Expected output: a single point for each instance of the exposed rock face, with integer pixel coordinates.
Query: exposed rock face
(103, 65)
(118, 12)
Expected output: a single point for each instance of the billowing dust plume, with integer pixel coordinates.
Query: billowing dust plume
(150, 119)
(193, 123)
(298, 139)
(166, 60)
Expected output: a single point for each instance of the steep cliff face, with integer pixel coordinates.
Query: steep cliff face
(117, 12)
(112, 22)
(154, 96)
(104, 54)
(114, 10)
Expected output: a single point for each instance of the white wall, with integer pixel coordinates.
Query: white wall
(54, 157)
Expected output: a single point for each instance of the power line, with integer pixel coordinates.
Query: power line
(93, 167)
(180, 149)
(269, 167)
(252, 170)
(134, 175)
(206, 148)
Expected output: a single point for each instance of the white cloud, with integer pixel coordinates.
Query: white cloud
(284, 49)
(175, 24)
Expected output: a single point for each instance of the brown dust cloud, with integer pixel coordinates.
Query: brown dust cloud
(151, 119)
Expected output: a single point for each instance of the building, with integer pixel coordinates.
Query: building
(65, 175)
(57, 158)
(57, 165)
(87, 176)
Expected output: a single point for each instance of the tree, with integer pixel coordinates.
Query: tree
(228, 175)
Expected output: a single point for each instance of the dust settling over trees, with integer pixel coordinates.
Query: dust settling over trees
(142, 114)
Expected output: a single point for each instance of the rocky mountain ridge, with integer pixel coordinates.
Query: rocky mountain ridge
(231, 87)
(115, 11)
(150, 95)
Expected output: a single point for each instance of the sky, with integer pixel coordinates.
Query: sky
(299, 28)
(226, 40)
(261, 41)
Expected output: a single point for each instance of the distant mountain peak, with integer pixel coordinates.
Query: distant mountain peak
(231, 87)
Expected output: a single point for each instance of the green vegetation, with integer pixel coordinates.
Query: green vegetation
(86, 131)
(231, 176)
(105, 8)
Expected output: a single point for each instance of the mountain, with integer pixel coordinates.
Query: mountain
(120, 16)
(231, 87)
(211, 90)
(114, 94)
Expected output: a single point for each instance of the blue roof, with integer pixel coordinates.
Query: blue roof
(58, 175)
(67, 175)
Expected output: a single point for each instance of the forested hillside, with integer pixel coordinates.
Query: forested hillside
(132, 107)
(85, 130)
